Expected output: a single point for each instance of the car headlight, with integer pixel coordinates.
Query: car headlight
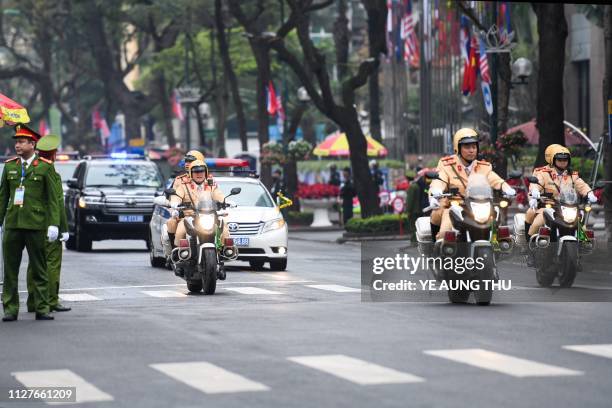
(88, 201)
(274, 224)
(207, 221)
(481, 211)
(569, 213)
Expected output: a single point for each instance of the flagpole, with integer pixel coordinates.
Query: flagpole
(494, 85)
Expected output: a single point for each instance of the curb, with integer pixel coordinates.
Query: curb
(300, 228)
(344, 239)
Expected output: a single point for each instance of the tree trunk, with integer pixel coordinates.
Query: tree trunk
(552, 31)
(374, 87)
(504, 79)
(166, 107)
(341, 40)
(222, 103)
(231, 75)
(290, 167)
(262, 59)
(607, 96)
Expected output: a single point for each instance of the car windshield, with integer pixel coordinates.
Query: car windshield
(252, 194)
(123, 174)
(66, 169)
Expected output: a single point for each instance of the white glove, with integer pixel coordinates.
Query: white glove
(174, 213)
(52, 233)
(457, 210)
(174, 205)
(433, 202)
(434, 192)
(591, 197)
(533, 203)
(509, 191)
(64, 237)
(232, 204)
(535, 194)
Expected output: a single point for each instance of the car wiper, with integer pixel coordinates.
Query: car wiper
(102, 185)
(139, 185)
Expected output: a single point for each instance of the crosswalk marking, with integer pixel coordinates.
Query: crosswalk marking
(85, 392)
(355, 370)
(208, 378)
(77, 297)
(502, 363)
(334, 288)
(164, 293)
(251, 290)
(600, 350)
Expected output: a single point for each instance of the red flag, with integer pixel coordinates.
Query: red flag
(43, 129)
(177, 109)
(99, 123)
(274, 104)
(470, 73)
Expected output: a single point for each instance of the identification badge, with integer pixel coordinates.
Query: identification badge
(19, 195)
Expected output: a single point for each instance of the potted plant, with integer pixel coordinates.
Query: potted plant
(320, 198)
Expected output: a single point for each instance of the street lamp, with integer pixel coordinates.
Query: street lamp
(522, 69)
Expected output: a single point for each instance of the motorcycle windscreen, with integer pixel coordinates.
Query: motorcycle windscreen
(205, 203)
(478, 188)
(568, 196)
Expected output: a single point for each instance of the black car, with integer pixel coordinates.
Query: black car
(111, 199)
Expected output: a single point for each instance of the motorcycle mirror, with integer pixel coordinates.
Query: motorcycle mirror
(515, 174)
(169, 191)
(454, 190)
(532, 179)
(235, 190)
(432, 175)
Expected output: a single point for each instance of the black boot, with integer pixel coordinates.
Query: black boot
(221, 272)
(527, 236)
(434, 231)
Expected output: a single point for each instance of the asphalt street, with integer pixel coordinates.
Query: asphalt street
(301, 338)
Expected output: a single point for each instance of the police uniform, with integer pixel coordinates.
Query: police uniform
(172, 223)
(554, 182)
(47, 147)
(28, 205)
(453, 173)
(187, 194)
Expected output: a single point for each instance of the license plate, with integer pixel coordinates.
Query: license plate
(241, 242)
(131, 218)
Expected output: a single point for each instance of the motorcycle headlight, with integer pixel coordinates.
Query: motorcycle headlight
(206, 221)
(481, 211)
(274, 224)
(569, 214)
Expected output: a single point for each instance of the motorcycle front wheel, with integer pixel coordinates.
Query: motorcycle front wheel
(545, 273)
(484, 295)
(569, 264)
(209, 271)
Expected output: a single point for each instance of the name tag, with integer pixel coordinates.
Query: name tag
(19, 195)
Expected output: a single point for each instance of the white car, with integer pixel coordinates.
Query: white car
(256, 225)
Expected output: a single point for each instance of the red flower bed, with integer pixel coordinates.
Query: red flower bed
(317, 191)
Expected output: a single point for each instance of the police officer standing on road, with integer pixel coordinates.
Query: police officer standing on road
(28, 206)
(47, 147)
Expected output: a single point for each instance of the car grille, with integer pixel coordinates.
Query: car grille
(246, 228)
(128, 205)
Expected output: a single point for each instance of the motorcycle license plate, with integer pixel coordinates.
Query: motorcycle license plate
(131, 218)
(241, 242)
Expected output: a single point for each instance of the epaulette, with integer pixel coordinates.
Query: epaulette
(45, 160)
(543, 168)
(575, 173)
(483, 163)
(11, 159)
(448, 160)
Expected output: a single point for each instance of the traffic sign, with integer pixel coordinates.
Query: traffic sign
(488, 100)
(398, 205)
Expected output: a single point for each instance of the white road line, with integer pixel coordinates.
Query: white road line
(334, 288)
(85, 392)
(77, 297)
(251, 290)
(208, 378)
(164, 293)
(355, 370)
(275, 282)
(600, 350)
(502, 363)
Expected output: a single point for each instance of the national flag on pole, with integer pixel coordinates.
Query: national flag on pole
(408, 34)
(470, 72)
(484, 64)
(464, 40)
(177, 108)
(43, 128)
(273, 100)
(389, 31)
(99, 123)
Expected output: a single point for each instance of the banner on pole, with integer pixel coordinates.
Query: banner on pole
(488, 100)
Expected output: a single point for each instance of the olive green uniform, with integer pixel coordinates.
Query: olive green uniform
(25, 226)
(54, 257)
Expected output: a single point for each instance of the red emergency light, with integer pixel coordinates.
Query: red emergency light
(217, 163)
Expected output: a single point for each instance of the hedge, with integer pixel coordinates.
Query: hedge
(377, 224)
(322, 165)
(299, 218)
